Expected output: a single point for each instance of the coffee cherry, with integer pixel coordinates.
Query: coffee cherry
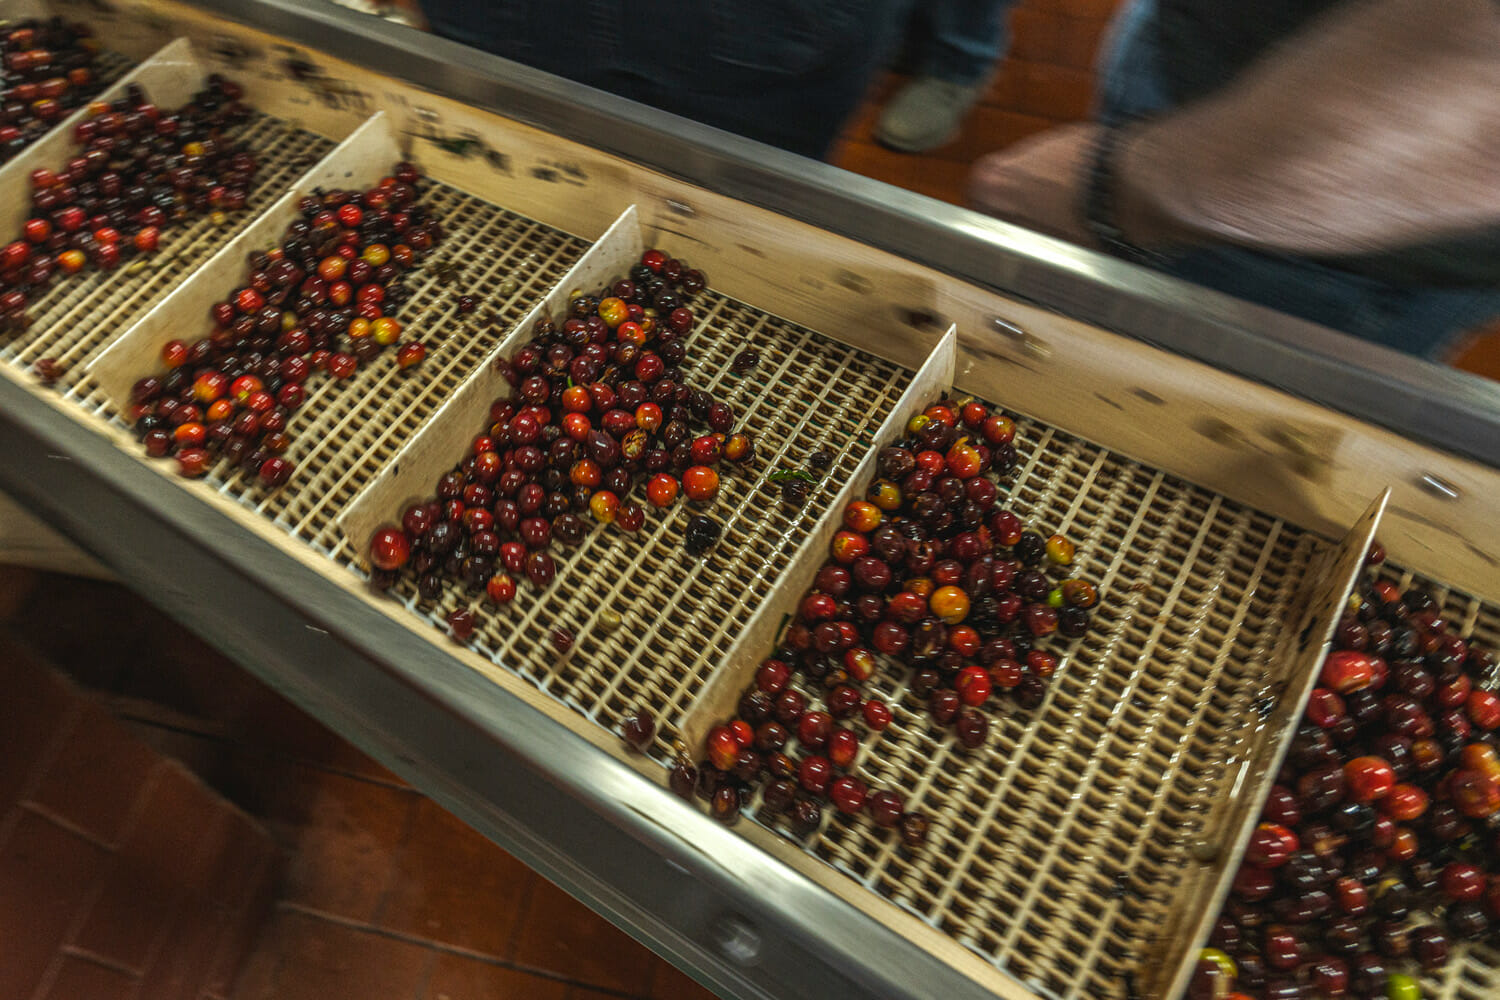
(1368, 779)
(848, 794)
(461, 624)
(701, 534)
(914, 828)
(276, 471)
(1271, 845)
(814, 774)
(411, 354)
(700, 483)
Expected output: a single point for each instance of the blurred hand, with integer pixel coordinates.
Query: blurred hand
(1375, 127)
(1039, 182)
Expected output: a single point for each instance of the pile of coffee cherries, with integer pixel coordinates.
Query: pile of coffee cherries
(929, 572)
(46, 72)
(600, 410)
(320, 302)
(1379, 847)
(138, 170)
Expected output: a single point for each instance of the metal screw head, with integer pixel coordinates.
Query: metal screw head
(736, 939)
(1024, 340)
(1439, 487)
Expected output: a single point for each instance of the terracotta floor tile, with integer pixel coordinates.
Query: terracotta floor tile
(180, 829)
(1004, 90)
(1481, 353)
(316, 959)
(173, 667)
(256, 746)
(257, 977)
(456, 977)
(203, 755)
(455, 887)
(561, 935)
(667, 983)
(168, 854)
(128, 920)
(1094, 9)
(263, 718)
(182, 968)
(986, 130)
(344, 836)
(1053, 91)
(96, 778)
(1081, 37)
(81, 979)
(192, 677)
(1035, 33)
(46, 873)
(212, 931)
(89, 628)
(247, 880)
(33, 715)
(862, 123)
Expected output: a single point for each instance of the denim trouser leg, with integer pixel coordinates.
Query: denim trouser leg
(961, 39)
(1418, 320)
(1130, 83)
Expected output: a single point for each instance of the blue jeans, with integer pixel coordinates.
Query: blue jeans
(1418, 320)
(959, 40)
(785, 72)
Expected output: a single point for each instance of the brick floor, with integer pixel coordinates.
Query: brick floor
(381, 892)
(122, 874)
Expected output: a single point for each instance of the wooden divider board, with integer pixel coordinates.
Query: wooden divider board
(717, 701)
(358, 162)
(170, 78)
(1324, 596)
(440, 444)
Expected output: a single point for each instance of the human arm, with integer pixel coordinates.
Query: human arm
(1377, 126)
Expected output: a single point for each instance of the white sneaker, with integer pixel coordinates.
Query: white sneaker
(925, 114)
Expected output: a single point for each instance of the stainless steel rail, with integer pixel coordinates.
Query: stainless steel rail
(1442, 407)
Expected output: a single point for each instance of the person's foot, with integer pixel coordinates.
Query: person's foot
(925, 114)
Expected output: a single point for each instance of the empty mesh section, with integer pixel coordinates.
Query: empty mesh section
(80, 316)
(1058, 848)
